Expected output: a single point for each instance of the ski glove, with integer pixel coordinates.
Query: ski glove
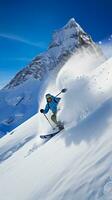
(42, 110)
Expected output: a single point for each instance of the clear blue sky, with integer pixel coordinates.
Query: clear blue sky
(26, 27)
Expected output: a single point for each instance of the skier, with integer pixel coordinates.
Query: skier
(52, 103)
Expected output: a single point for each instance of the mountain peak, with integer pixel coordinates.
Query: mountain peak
(71, 23)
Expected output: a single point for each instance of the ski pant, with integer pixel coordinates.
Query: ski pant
(54, 118)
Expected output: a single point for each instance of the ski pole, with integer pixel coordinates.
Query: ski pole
(62, 91)
(48, 120)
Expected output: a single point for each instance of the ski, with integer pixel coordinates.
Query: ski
(49, 136)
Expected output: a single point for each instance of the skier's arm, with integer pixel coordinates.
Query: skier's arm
(57, 99)
(46, 109)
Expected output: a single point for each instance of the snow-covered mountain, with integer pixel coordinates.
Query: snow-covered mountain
(65, 41)
(76, 163)
(19, 99)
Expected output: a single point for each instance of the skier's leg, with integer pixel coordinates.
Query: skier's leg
(53, 118)
(58, 123)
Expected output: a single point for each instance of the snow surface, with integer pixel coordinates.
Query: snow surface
(17, 104)
(106, 46)
(76, 163)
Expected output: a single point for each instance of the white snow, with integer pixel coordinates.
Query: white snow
(17, 104)
(76, 163)
(106, 47)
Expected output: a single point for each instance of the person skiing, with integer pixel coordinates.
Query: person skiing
(52, 103)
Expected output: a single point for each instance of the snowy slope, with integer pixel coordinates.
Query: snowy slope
(19, 99)
(17, 104)
(75, 164)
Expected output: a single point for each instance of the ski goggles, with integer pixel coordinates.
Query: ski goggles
(48, 96)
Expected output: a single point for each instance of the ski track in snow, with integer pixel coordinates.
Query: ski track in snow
(76, 163)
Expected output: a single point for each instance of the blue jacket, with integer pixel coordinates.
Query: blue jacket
(52, 105)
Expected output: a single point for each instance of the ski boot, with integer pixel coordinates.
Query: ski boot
(60, 126)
